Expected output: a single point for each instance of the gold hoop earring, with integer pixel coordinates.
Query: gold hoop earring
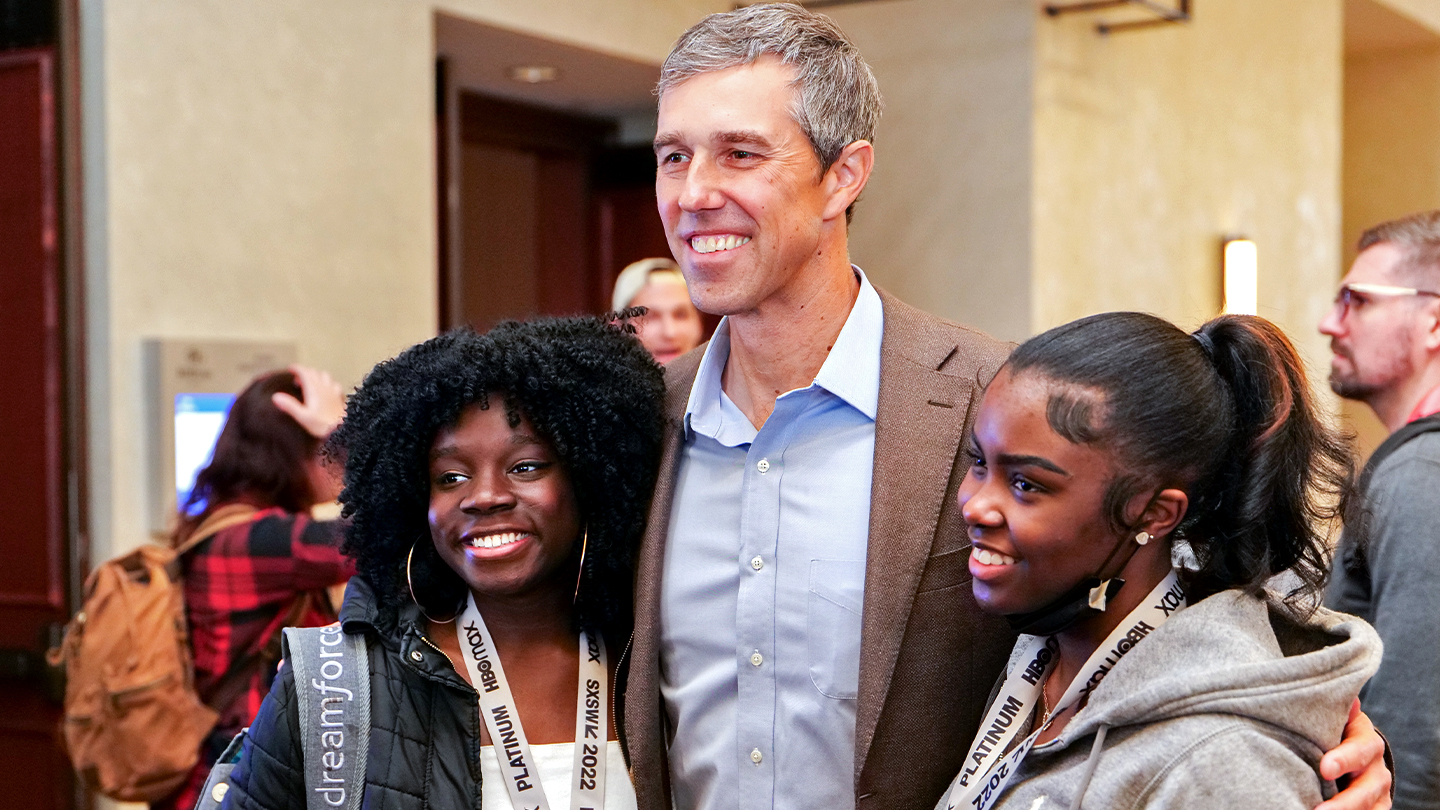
(584, 544)
(410, 583)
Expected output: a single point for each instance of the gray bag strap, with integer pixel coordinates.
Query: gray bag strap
(1354, 548)
(332, 685)
(217, 784)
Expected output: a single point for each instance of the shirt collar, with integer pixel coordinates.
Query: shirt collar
(1427, 406)
(705, 412)
(851, 371)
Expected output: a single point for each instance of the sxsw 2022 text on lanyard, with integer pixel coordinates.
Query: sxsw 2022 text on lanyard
(497, 707)
(987, 773)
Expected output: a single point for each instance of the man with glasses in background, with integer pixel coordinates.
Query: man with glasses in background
(1384, 333)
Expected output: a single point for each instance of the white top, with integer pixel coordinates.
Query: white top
(555, 762)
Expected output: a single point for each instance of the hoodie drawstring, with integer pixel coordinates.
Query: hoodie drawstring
(1090, 766)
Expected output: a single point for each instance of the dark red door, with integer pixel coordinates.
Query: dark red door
(32, 535)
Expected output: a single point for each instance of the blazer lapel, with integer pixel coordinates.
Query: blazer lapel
(643, 718)
(918, 426)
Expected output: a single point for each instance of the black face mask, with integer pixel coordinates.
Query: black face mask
(1088, 598)
(1067, 609)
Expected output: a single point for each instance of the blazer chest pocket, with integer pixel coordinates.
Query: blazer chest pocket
(832, 633)
(946, 570)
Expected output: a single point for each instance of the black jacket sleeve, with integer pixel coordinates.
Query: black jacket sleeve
(269, 776)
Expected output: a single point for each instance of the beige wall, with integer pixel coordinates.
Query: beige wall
(257, 171)
(1150, 145)
(945, 221)
(1030, 171)
(1424, 12)
(1392, 138)
(266, 170)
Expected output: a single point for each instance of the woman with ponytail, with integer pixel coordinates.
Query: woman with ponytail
(1104, 450)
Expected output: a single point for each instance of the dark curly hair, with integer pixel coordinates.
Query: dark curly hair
(1224, 414)
(585, 384)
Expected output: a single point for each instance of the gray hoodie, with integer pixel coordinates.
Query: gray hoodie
(1230, 703)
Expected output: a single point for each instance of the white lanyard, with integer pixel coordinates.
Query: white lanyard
(497, 707)
(986, 774)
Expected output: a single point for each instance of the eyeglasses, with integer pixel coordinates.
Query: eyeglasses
(1354, 295)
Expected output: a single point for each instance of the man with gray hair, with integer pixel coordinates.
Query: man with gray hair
(1385, 337)
(805, 632)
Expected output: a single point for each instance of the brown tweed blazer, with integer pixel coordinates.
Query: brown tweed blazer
(928, 656)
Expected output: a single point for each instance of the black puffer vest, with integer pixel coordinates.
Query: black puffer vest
(424, 718)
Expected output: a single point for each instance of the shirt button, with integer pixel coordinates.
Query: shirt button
(218, 792)
(763, 465)
(756, 756)
(757, 563)
(756, 658)
(416, 656)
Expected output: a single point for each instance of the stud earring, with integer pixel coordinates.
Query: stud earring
(1142, 538)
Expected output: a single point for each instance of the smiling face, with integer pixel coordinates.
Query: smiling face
(503, 514)
(745, 206)
(1033, 502)
(671, 326)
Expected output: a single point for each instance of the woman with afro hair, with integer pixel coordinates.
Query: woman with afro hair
(496, 487)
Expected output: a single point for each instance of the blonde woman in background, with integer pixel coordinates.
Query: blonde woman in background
(671, 326)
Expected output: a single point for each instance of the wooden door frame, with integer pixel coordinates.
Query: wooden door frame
(464, 116)
(62, 344)
(73, 321)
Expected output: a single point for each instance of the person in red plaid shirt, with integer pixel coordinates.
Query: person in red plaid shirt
(270, 563)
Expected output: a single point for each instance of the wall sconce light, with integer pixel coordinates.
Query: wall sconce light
(1242, 280)
(534, 74)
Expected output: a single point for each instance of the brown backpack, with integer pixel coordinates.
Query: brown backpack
(134, 723)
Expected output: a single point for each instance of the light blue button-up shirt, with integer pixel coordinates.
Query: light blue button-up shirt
(764, 583)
